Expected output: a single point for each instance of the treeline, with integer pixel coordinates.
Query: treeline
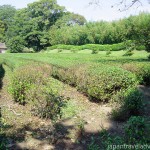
(44, 23)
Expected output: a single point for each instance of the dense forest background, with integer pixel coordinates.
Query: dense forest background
(44, 23)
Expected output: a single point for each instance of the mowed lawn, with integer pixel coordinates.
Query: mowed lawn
(66, 58)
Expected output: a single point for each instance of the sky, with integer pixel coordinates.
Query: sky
(103, 11)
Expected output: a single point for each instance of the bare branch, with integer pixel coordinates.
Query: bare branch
(122, 3)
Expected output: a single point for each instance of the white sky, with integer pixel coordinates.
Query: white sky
(90, 12)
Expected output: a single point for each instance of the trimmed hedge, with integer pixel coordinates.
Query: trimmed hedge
(142, 72)
(98, 47)
(98, 82)
(95, 47)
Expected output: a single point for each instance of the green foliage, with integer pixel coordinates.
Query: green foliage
(93, 145)
(2, 31)
(100, 83)
(128, 102)
(7, 13)
(148, 57)
(32, 23)
(137, 130)
(128, 53)
(108, 140)
(94, 52)
(103, 83)
(50, 107)
(94, 47)
(108, 53)
(31, 84)
(16, 44)
(142, 72)
(23, 80)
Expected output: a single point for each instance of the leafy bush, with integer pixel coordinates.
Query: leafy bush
(137, 130)
(94, 47)
(128, 102)
(60, 50)
(28, 50)
(100, 83)
(50, 106)
(128, 53)
(142, 72)
(108, 53)
(148, 57)
(32, 85)
(104, 82)
(94, 52)
(24, 78)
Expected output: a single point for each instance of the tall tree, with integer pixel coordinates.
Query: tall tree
(2, 31)
(33, 22)
(7, 13)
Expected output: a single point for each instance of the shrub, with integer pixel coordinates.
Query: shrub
(60, 50)
(128, 53)
(104, 82)
(94, 52)
(142, 72)
(98, 82)
(128, 102)
(137, 130)
(28, 50)
(50, 106)
(108, 53)
(95, 47)
(148, 57)
(24, 78)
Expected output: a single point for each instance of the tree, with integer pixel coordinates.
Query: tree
(32, 23)
(2, 31)
(7, 13)
(142, 30)
(16, 44)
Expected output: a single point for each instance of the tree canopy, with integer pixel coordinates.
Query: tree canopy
(44, 23)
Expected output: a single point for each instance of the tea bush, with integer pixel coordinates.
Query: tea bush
(108, 53)
(94, 52)
(128, 53)
(128, 102)
(24, 78)
(94, 47)
(33, 85)
(100, 83)
(137, 130)
(50, 106)
(104, 82)
(142, 72)
(148, 57)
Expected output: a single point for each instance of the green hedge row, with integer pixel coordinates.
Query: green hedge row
(98, 82)
(96, 47)
(142, 71)
(33, 85)
(113, 47)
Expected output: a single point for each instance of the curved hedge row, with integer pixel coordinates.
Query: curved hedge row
(98, 82)
(113, 47)
(142, 71)
(95, 47)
